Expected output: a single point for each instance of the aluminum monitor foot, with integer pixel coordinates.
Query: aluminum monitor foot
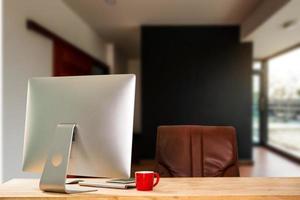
(55, 170)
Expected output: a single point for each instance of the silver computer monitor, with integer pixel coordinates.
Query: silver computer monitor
(100, 107)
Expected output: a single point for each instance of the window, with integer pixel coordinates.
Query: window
(255, 102)
(284, 102)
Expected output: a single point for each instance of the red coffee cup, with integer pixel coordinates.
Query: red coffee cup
(144, 180)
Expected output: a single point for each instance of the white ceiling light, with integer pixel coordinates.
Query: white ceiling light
(290, 24)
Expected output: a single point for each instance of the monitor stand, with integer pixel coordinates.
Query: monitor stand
(56, 167)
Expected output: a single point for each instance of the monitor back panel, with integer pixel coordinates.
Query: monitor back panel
(101, 106)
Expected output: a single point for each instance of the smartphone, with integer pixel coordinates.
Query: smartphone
(121, 180)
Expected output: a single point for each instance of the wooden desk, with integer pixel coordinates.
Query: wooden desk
(171, 188)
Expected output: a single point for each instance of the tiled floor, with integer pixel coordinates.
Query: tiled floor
(268, 163)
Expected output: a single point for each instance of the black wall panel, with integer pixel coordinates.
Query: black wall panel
(195, 75)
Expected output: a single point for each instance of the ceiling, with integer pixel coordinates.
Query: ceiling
(118, 21)
(270, 37)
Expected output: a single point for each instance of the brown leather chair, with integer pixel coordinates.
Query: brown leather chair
(196, 151)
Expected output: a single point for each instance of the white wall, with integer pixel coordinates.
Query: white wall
(27, 54)
(134, 67)
(110, 54)
(116, 60)
(1, 68)
(120, 62)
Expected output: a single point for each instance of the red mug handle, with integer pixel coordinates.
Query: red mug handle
(156, 175)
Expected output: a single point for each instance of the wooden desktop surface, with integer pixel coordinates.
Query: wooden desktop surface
(171, 188)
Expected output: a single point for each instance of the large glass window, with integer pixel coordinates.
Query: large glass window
(284, 102)
(255, 102)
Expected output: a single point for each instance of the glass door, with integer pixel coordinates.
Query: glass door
(283, 127)
(256, 85)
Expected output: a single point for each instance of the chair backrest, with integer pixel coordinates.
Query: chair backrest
(196, 151)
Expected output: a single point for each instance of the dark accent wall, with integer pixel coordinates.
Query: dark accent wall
(195, 75)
